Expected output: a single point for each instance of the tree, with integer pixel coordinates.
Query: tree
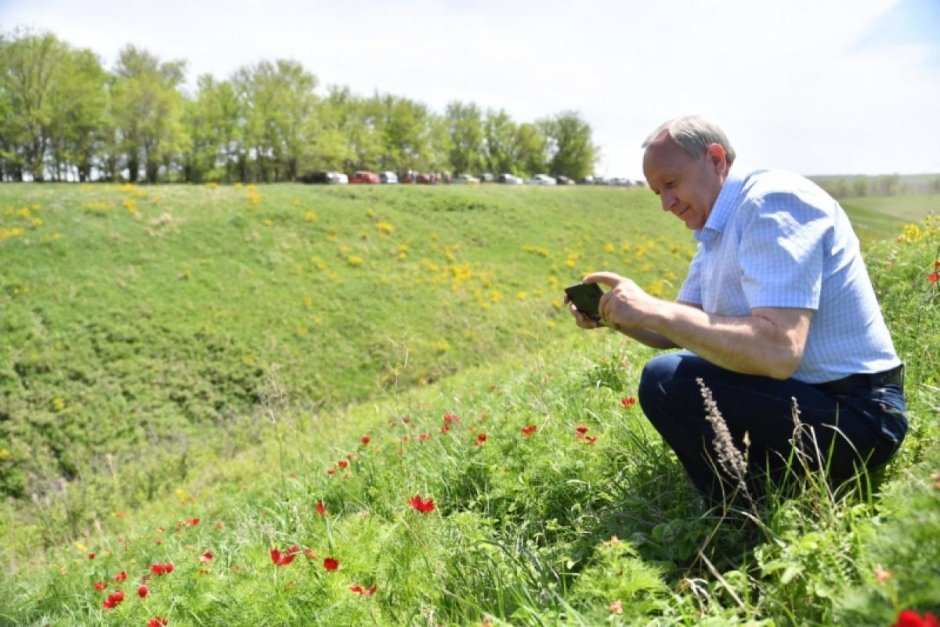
(570, 147)
(530, 148)
(211, 120)
(31, 66)
(147, 110)
(406, 133)
(501, 147)
(279, 105)
(465, 124)
(81, 102)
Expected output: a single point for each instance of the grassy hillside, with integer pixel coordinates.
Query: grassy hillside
(157, 337)
(139, 320)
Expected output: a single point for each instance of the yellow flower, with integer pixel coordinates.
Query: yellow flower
(911, 233)
(310, 216)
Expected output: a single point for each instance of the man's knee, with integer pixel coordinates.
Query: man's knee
(655, 383)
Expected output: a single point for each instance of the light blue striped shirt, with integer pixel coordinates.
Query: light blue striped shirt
(775, 239)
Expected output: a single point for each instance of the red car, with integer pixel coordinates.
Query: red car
(364, 177)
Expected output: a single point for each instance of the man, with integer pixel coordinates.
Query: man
(777, 313)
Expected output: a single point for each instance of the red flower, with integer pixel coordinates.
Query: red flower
(481, 439)
(114, 599)
(589, 439)
(331, 471)
(100, 585)
(449, 418)
(529, 430)
(628, 401)
(366, 592)
(581, 429)
(321, 508)
(157, 621)
(143, 591)
(121, 576)
(330, 563)
(365, 440)
(282, 559)
(162, 569)
(423, 506)
(933, 276)
(910, 618)
(206, 557)
(91, 556)
(424, 437)
(193, 522)
(342, 463)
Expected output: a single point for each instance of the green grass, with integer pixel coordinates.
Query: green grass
(140, 317)
(551, 527)
(875, 216)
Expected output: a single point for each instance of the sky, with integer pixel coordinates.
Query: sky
(818, 87)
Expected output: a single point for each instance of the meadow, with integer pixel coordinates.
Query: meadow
(365, 405)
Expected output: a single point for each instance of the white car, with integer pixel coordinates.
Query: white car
(337, 178)
(509, 179)
(464, 179)
(388, 178)
(542, 179)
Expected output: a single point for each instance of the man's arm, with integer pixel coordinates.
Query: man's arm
(769, 342)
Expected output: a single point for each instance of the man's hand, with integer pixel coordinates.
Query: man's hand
(623, 307)
(580, 319)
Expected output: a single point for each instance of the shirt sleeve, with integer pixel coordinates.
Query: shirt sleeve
(691, 290)
(781, 252)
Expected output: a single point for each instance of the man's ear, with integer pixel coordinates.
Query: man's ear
(716, 156)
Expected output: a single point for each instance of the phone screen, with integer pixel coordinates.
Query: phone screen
(586, 298)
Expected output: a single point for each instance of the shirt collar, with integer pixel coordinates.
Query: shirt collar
(723, 207)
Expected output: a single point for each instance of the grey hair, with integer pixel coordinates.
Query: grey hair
(694, 134)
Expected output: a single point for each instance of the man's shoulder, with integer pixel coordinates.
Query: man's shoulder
(768, 188)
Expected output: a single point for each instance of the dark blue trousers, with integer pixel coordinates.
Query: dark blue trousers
(841, 433)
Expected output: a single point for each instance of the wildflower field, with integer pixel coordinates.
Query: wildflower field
(289, 405)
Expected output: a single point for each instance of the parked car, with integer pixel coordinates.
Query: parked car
(564, 180)
(332, 178)
(542, 179)
(486, 177)
(465, 179)
(388, 178)
(364, 177)
(509, 179)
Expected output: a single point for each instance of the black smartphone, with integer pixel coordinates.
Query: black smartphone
(586, 297)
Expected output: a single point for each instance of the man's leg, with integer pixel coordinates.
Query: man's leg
(672, 399)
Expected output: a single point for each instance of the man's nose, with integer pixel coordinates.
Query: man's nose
(668, 199)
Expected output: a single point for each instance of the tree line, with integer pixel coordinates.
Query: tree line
(64, 117)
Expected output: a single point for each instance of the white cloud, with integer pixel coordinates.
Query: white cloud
(789, 81)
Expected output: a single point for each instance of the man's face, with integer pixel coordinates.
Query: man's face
(687, 187)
